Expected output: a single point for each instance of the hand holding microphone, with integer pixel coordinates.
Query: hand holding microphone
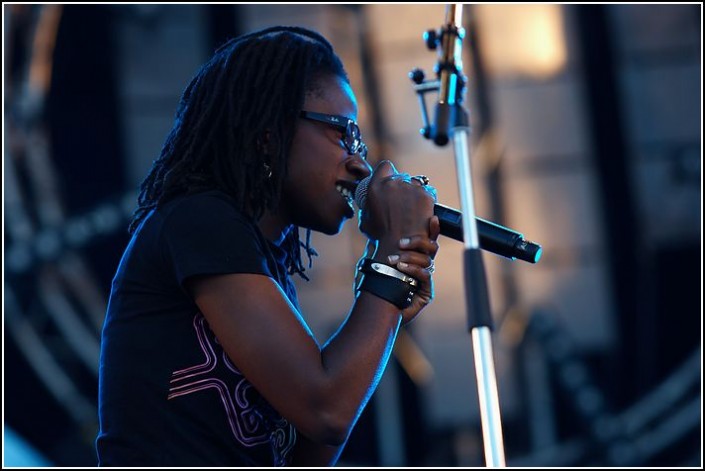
(395, 207)
(398, 219)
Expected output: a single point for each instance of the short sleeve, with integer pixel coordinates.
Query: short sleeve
(205, 234)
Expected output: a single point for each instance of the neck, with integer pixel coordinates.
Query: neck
(274, 228)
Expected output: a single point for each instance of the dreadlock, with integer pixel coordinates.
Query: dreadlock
(252, 84)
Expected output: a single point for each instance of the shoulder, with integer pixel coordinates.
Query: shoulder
(211, 209)
(213, 200)
(209, 220)
(205, 233)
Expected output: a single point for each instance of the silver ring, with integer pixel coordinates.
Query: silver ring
(423, 179)
(432, 267)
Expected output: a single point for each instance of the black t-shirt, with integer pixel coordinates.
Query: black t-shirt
(169, 395)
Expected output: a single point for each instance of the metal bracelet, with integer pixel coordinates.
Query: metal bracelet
(383, 269)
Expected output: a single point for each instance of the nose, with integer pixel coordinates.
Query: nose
(358, 167)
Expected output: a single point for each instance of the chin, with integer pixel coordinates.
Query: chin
(328, 222)
(331, 228)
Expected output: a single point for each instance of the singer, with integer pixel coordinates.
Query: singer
(206, 359)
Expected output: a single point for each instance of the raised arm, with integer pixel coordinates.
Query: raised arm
(322, 391)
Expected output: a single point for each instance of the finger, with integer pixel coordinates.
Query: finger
(411, 258)
(397, 177)
(434, 228)
(431, 190)
(423, 182)
(418, 180)
(421, 179)
(383, 170)
(420, 243)
(422, 275)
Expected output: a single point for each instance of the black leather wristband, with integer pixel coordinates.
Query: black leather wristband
(369, 266)
(392, 289)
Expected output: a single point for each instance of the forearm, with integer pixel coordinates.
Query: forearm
(356, 355)
(309, 454)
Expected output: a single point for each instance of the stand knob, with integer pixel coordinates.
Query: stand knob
(431, 38)
(417, 76)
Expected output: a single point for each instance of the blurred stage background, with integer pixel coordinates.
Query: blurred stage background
(586, 137)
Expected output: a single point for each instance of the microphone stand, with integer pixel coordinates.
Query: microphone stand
(452, 122)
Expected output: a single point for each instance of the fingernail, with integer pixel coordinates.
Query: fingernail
(404, 241)
(403, 265)
(393, 258)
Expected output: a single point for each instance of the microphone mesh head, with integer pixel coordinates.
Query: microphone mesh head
(361, 192)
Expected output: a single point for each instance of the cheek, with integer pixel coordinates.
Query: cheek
(304, 188)
(306, 164)
(300, 183)
(301, 154)
(297, 169)
(296, 153)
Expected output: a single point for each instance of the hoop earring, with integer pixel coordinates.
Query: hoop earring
(267, 170)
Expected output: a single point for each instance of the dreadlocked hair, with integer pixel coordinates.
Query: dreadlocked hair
(254, 85)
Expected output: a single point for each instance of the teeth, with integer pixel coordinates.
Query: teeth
(347, 194)
(344, 191)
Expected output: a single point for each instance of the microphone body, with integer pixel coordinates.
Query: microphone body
(492, 237)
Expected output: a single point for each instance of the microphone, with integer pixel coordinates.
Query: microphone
(493, 237)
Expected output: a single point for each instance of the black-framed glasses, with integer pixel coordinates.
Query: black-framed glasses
(352, 138)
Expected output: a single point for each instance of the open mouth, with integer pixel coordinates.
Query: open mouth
(347, 194)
